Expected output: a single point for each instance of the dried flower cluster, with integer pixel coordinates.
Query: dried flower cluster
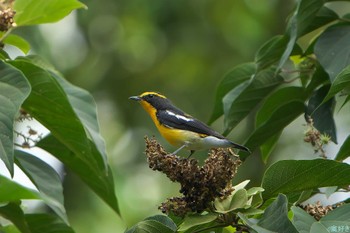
(318, 211)
(200, 185)
(315, 138)
(6, 15)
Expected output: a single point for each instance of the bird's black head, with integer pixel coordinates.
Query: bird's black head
(154, 99)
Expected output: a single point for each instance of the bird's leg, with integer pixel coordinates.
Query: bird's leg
(175, 152)
(191, 153)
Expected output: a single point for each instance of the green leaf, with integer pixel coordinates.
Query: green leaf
(155, 224)
(4, 55)
(165, 220)
(303, 196)
(324, 16)
(197, 219)
(14, 213)
(17, 41)
(269, 145)
(29, 12)
(231, 80)
(250, 96)
(14, 89)
(82, 103)
(335, 226)
(253, 225)
(341, 81)
(276, 100)
(302, 220)
(39, 223)
(237, 200)
(317, 227)
(278, 120)
(288, 176)
(9, 229)
(11, 191)
(341, 213)
(333, 50)
(46, 180)
(322, 115)
(57, 113)
(298, 24)
(49, 104)
(98, 180)
(270, 52)
(254, 190)
(275, 217)
(344, 151)
(320, 77)
(251, 211)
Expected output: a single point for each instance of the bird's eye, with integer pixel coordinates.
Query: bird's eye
(150, 95)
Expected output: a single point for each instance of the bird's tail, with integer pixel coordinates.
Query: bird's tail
(240, 147)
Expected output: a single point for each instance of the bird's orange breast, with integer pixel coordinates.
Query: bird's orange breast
(176, 137)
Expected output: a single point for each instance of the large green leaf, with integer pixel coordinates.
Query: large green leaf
(269, 145)
(288, 176)
(29, 12)
(40, 223)
(50, 105)
(341, 81)
(82, 103)
(302, 220)
(14, 89)
(276, 100)
(278, 120)
(271, 51)
(322, 115)
(341, 213)
(250, 95)
(323, 17)
(16, 41)
(46, 180)
(253, 225)
(230, 81)
(154, 224)
(275, 217)
(334, 221)
(333, 50)
(11, 191)
(298, 25)
(85, 107)
(320, 77)
(317, 227)
(344, 151)
(100, 181)
(196, 220)
(13, 212)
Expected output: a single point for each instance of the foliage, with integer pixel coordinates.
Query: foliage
(286, 80)
(32, 89)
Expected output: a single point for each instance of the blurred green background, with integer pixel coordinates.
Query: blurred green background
(182, 49)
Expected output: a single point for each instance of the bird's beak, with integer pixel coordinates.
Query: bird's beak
(136, 98)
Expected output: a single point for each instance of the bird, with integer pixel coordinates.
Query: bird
(180, 129)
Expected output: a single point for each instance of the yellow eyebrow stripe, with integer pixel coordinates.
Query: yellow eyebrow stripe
(152, 93)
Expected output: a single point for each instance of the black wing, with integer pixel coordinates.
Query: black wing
(179, 120)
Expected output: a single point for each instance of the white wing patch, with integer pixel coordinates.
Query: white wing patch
(180, 117)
